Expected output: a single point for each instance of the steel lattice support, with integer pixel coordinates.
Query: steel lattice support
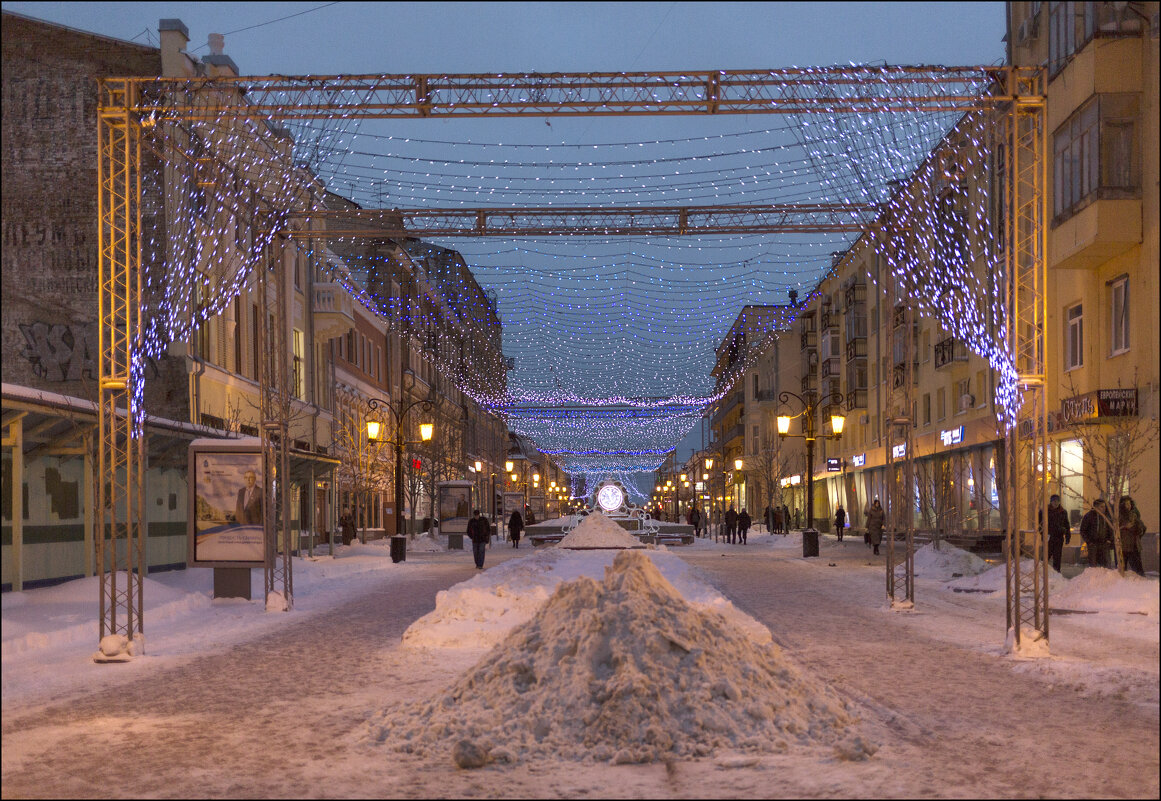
(128, 104)
(1026, 480)
(274, 384)
(900, 424)
(804, 218)
(121, 455)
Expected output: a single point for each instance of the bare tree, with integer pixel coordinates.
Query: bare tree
(365, 467)
(772, 465)
(1114, 440)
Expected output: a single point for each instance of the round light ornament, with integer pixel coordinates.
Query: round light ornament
(610, 497)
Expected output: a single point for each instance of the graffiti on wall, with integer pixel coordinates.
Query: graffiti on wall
(61, 352)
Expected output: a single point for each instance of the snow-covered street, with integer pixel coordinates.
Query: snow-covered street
(231, 701)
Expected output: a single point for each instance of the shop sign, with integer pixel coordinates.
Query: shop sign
(858, 460)
(1100, 403)
(899, 451)
(834, 465)
(951, 436)
(795, 480)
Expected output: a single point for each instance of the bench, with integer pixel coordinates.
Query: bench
(543, 539)
(674, 539)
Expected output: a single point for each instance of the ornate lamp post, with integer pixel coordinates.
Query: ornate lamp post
(399, 411)
(810, 406)
(709, 463)
(737, 484)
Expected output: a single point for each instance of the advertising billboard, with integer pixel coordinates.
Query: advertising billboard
(227, 505)
(455, 506)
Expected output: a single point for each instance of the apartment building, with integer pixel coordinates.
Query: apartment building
(1103, 273)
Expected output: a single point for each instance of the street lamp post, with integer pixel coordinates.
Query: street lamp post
(399, 411)
(810, 406)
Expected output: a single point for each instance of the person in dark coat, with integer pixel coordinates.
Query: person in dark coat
(1097, 533)
(876, 517)
(480, 533)
(785, 519)
(744, 522)
(347, 526)
(1059, 532)
(1132, 530)
(695, 520)
(840, 521)
(515, 527)
(768, 517)
(777, 520)
(731, 524)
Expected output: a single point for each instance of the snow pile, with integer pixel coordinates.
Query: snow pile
(479, 613)
(993, 580)
(598, 531)
(426, 542)
(1099, 589)
(943, 560)
(623, 670)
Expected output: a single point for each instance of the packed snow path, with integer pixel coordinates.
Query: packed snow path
(279, 715)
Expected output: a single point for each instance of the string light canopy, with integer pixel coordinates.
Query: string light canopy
(618, 325)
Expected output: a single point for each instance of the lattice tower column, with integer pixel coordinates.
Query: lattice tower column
(276, 411)
(120, 466)
(1025, 311)
(898, 427)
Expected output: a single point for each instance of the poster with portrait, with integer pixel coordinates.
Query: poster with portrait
(512, 502)
(227, 506)
(455, 506)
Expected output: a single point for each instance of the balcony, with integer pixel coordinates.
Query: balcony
(727, 406)
(766, 395)
(949, 351)
(809, 384)
(809, 340)
(898, 374)
(856, 399)
(830, 367)
(856, 294)
(899, 316)
(829, 318)
(1104, 229)
(857, 349)
(334, 313)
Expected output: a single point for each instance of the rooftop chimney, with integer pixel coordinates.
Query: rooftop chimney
(217, 44)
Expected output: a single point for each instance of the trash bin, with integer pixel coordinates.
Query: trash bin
(455, 542)
(399, 548)
(809, 542)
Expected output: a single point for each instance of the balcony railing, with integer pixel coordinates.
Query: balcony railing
(809, 383)
(857, 349)
(856, 293)
(809, 340)
(899, 316)
(857, 399)
(830, 367)
(766, 395)
(948, 351)
(333, 311)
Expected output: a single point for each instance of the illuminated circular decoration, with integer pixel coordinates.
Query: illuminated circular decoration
(610, 497)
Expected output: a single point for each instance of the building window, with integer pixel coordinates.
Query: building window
(755, 386)
(926, 408)
(940, 404)
(1120, 315)
(299, 365)
(1095, 153)
(963, 395)
(1062, 23)
(754, 439)
(1074, 337)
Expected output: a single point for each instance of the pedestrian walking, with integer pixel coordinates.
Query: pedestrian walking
(875, 519)
(731, 524)
(840, 521)
(515, 528)
(768, 518)
(695, 520)
(1059, 532)
(1132, 530)
(347, 526)
(744, 523)
(1097, 534)
(866, 531)
(479, 532)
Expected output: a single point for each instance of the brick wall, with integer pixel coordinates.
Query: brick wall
(48, 258)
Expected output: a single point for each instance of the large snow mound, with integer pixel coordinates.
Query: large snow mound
(622, 670)
(479, 613)
(598, 531)
(1099, 589)
(943, 560)
(994, 580)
